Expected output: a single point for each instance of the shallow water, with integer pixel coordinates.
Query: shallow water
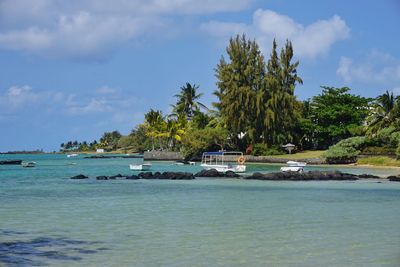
(48, 219)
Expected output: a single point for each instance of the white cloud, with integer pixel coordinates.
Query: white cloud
(88, 28)
(17, 97)
(309, 41)
(374, 68)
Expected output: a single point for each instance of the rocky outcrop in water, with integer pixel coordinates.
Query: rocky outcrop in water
(213, 173)
(11, 162)
(394, 178)
(79, 177)
(306, 176)
(167, 175)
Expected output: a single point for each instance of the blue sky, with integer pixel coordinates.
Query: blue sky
(71, 70)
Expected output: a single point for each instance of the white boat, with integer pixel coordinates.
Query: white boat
(28, 164)
(72, 155)
(294, 166)
(296, 163)
(223, 161)
(140, 167)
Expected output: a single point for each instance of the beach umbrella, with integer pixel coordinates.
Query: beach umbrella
(289, 147)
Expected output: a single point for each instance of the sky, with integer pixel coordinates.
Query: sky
(71, 70)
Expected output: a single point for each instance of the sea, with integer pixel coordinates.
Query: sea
(47, 219)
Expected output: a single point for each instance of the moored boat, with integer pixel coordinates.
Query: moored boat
(223, 161)
(294, 166)
(140, 167)
(28, 164)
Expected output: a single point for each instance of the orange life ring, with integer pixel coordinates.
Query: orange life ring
(241, 160)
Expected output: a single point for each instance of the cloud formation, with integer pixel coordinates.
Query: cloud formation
(108, 102)
(88, 28)
(376, 68)
(309, 41)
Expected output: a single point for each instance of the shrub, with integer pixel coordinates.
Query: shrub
(264, 150)
(388, 136)
(346, 151)
(398, 151)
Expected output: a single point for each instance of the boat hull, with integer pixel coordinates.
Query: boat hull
(139, 167)
(224, 168)
(292, 169)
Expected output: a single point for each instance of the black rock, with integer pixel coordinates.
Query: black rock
(80, 176)
(231, 174)
(209, 173)
(113, 177)
(368, 176)
(306, 176)
(146, 175)
(102, 177)
(11, 162)
(176, 176)
(393, 178)
(132, 177)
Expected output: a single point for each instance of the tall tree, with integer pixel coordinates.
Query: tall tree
(335, 113)
(239, 79)
(276, 103)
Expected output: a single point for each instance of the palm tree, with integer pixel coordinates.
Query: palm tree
(154, 122)
(174, 131)
(187, 101)
(384, 112)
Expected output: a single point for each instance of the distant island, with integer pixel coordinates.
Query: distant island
(38, 151)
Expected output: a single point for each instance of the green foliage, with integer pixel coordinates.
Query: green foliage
(257, 98)
(187, 103)
(109, 140)
(385, 113)
(261, 149)
(398, 152)
(346, 151)
(389, 136)
(337, 115)
(197, 141)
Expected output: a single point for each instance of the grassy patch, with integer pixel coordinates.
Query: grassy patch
(302, 155)
(379, 161)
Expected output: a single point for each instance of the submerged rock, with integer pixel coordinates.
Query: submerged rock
(306, 176)
(102, 177)
(78, 177)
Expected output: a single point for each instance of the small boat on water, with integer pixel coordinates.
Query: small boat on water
(184, 162)
(140, 167)
(223, 161)
(28, 164)
(72, 155)
(294, 166)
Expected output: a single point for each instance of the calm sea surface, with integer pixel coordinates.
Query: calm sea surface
(48, 219)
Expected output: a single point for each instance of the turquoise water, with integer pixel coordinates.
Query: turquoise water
(48, 219)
